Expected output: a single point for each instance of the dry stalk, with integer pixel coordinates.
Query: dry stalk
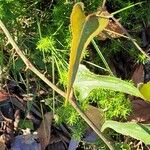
(72, 101)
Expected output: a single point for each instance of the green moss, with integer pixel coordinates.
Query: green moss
(46, 44)
(68, 115)
(114, 104)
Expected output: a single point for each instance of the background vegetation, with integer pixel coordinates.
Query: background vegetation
(42, 30)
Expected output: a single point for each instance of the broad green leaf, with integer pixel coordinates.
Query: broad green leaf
(83, 31)
(86, 81)
(136, 130)
(145, 90)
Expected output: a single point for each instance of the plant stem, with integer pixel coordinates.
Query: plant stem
(39, 28)
(53, 81)
(120, 10)
(54, 87)
(102, 57)
(130, 38)
(104, 3)
(99, 67)
(90, 123)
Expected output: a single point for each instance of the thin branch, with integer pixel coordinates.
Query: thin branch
(124, 30)
(54, 87)
(132, 40)
(104, 3)
(27, 62)
(117, 34)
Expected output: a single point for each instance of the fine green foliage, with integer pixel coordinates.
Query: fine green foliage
(48, 47)
(135, 130)
(68, 115)
(24, 124)
(92, 5)
(7, 8)
(1, 58)
(122, 146)
(46, 44)
(114, 104)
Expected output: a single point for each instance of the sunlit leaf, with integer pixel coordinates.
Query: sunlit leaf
(145, 90)
(77, 21)
(86, 81)
(136, 130)
(83, 31)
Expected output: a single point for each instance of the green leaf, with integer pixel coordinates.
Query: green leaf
(86, 81)
(84, 29)
(77, 20)
(145, 90)
(136, 130)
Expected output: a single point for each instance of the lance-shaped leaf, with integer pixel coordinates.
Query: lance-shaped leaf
(77, 20)
(83, 32)
(136, 130)
(87, 81)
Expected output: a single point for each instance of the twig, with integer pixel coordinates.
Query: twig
(120, 10)
(41, 76)
(104, 3)
(124, 30)
(27, 62)
(132, 40)
(117, 34)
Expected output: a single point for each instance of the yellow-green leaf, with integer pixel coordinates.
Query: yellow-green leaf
(145, 90)
(77, 21)
(136, 130)
(83, 31)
